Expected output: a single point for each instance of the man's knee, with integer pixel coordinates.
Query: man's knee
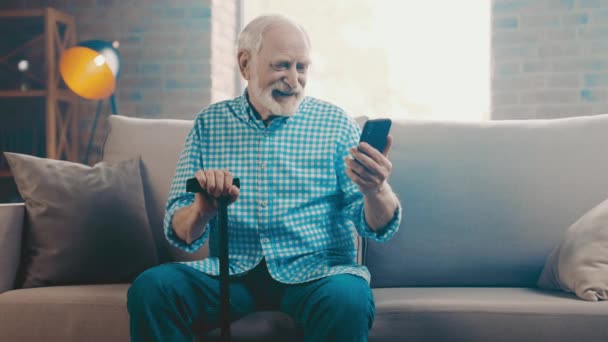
(152, 285)
(350, 297)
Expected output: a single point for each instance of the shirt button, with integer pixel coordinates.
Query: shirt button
(264, 203)
(263, 165)
(265, 240)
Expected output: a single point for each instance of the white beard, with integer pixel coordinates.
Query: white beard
(288, 107)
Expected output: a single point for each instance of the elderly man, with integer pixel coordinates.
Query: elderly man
(306, 186)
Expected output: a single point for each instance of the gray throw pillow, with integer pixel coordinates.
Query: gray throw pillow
(84, 225)
(579, 263)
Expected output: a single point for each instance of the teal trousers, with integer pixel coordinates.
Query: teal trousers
(166, 302)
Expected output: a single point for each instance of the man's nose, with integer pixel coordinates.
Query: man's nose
(291, 78)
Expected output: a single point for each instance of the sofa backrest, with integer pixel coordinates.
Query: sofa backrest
(159, 143)
(485, 203)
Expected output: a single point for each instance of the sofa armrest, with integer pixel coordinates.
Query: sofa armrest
(11, 227)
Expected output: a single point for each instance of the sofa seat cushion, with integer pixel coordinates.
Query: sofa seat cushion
(65, 313)
(99, 313)
(486, 314)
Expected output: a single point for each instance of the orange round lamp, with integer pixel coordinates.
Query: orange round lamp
(90, 69)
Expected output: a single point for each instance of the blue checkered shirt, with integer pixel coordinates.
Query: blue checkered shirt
(297, 208)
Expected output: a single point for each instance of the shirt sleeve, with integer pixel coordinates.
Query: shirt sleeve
(354, 208)
(189, 162)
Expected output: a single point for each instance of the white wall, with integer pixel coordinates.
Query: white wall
(396, 58)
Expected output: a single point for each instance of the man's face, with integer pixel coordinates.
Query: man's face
(278, 72)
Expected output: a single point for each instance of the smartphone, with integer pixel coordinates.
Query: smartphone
(375, 133)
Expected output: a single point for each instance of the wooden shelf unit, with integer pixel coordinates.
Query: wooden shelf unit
(40, 36)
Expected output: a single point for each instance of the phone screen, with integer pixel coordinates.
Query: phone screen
(375, 133)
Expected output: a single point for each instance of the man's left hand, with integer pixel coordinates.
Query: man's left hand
(369, 168)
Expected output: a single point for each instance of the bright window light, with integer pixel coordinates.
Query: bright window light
(395, 58)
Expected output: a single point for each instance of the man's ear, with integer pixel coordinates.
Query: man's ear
(245, 60)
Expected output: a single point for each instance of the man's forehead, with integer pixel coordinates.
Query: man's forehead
(290, 58)
(284, 40)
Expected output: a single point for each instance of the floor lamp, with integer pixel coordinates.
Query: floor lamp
(90, 69)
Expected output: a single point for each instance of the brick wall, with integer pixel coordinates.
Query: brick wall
(549, 58)
(177, 56)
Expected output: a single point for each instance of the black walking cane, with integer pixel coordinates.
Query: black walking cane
(192, 185)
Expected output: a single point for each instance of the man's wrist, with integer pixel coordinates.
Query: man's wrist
(381, 193)
(383, 198)
(193, 223)
(195, 231)
(203, 215)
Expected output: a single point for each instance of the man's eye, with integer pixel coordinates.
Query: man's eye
(302, 67)
(280, 66)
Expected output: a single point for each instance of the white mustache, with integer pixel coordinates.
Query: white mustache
(287, 89)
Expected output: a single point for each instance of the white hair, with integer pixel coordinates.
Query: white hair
(250, 38)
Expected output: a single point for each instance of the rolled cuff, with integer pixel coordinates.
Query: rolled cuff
(173, 239)
(382, 234)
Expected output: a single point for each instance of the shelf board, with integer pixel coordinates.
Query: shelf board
(19, 93)
(37, 13)
(22, 13)
(62, 94)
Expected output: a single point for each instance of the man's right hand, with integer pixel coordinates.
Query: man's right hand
(216, 183)
(189, 222)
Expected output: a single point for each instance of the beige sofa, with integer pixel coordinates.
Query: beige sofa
(484, 204)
